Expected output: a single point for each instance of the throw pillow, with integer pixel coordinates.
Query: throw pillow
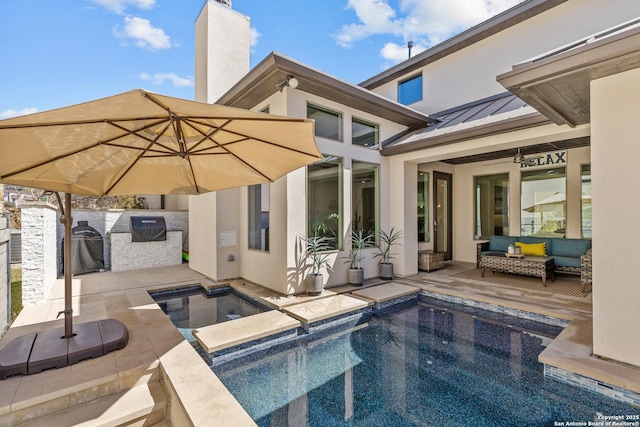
(538, 249)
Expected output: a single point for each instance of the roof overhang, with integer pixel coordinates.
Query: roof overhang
(261, 82)
(525, 121)
(557, 83)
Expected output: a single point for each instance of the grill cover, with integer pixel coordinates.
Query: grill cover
(148, 229)
(87, 249)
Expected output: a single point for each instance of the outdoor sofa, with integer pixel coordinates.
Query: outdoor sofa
(572, 256)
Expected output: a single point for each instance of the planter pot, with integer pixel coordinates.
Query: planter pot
(314, 284)
(356, 276)
(386, 270)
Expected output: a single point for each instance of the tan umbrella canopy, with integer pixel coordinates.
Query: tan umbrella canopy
(144, 143)
(139, 142)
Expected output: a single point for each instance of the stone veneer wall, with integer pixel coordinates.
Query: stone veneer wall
(128, 255)
(39, 251)
(5, 275)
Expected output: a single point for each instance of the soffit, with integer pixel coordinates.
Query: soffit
(557, 84)
(526, 151)
(260, 83)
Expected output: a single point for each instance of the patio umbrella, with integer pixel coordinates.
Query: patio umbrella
(139, 142)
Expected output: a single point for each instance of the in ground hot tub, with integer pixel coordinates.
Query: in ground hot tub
(194, 307)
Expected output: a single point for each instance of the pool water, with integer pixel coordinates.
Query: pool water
(428, 363)
(194, 308)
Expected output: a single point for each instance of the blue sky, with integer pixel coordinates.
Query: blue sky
(62, 52)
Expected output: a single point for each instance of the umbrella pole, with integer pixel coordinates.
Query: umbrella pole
(68, 310)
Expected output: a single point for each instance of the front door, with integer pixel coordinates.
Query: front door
(442, 214)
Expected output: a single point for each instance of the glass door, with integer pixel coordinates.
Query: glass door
(442, 214)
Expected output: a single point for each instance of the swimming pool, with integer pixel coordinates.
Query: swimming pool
(194, 307)
(419, 364)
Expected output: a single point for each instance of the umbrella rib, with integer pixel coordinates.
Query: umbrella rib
(97, 144)
(250, 137)
(138, 157)
(210, 138)
(112, 120)
(136, 134)
(122, 175)
(55, 159)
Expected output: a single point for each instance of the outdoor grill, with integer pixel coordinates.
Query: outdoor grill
(87, 249)
(148, 229)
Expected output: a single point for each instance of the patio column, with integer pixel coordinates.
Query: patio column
(403, 208)
(616, 202)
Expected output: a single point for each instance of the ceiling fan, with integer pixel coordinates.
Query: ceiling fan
(528, 161)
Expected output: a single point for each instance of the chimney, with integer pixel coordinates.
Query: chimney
(410, 45)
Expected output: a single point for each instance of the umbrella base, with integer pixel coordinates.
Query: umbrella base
(33, 353)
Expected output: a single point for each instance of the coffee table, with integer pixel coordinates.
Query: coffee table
(529, 265)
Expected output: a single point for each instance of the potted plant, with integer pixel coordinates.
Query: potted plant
(315, 253)
(359, 241)
(385, 242)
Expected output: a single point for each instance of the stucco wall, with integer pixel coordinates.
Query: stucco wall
(616, 194)
(222, 50)
(470, 74)
(281, 268)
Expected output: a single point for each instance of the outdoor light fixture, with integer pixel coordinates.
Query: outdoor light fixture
(291, 81)
(519, 158)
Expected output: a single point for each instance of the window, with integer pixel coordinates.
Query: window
(259, 217)
(543, 203)
(491, 214)
(328, 123)
(364, 197)
(364, 134)
(324, 189)
(585, 173)
(410, 90)
(423, 206)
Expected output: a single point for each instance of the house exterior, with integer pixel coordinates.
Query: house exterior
(427, 148)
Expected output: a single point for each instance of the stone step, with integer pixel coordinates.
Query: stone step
(388, 294)
(143, 405)
(26, 398)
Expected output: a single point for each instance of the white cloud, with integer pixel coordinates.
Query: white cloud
(376, 17)
(144, 34)
(396, 53)
(119, 6)
(160, 78)
(254, 35)
(426, 23)
(14, 113)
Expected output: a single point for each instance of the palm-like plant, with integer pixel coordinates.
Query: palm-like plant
(359, 241)
(316, 248)
(385, 242)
